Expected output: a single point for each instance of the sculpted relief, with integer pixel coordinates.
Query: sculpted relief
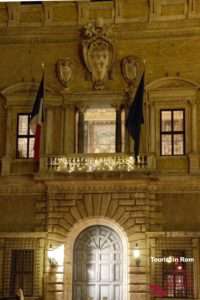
(97, 53)
(64, 71)
(131, 67)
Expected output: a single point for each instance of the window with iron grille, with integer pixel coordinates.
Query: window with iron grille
(176, 278)
(22, 262)
(172, 132)
(25, 137)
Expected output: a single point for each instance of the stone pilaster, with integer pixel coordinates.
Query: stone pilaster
(81, 110)
(69, 129)
(118, 132)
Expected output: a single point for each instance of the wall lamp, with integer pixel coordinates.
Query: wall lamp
(136, 255)
(56, 255)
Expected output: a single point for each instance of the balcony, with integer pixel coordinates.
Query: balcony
(89, 163)
(78, 164)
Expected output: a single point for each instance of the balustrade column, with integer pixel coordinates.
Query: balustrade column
(118, 132)
(81, 111)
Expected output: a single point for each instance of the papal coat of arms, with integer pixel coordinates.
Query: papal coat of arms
(97, 52)
(64, 71)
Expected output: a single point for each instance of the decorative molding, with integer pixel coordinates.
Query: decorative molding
(172, 82)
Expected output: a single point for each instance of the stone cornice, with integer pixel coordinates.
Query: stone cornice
(26, 235)
(93, 186)
(63, 34)
(70, 184)
(173, 234)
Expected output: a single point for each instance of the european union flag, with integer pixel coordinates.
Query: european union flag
(135, 116)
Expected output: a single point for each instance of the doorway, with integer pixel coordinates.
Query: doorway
(98, 265)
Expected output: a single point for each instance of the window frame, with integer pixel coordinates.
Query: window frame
(28, 136)
(172, 132)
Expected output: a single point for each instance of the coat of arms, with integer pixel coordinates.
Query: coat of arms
(131, 67)
(97, 52)
(64, 71)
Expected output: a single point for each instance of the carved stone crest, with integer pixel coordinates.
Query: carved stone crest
(64, 71)
(97, 52)
(131, 67)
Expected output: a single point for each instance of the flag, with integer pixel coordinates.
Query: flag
(37, 119)
(135, 116)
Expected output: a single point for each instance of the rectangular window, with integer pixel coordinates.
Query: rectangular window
(25, 137)
(172, 132)
(177, 280)
(22, 262)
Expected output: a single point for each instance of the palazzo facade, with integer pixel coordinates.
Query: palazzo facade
(89, 221)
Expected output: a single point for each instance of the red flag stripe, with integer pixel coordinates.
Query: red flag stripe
(37, 142)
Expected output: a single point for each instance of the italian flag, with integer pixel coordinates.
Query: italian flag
(37, 119)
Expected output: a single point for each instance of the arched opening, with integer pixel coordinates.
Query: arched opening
(71, 239)
(98, 264)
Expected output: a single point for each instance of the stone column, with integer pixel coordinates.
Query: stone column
(152, 129)
(151, 159)
(127, 136)
(69, 129)
(1, 264)
(196, 269)
(194, 127)
(81, 111)
(118, 131)
(10, 148)
(194, 156)
(49, 132)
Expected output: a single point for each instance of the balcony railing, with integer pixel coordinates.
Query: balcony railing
(96, 163)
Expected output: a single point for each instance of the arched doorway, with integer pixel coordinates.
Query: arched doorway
(98, 265)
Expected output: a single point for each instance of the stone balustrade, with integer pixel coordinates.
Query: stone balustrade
(96, 162)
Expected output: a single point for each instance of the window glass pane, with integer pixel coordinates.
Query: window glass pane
(22, 148)
(178, 120)
(166, 121)
(31, 145)
(99, 130)
(166, 144)
(23, 125)
(178, 144)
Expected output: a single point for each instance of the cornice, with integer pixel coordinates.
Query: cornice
(94, 186)
(88, 183)
(16, 235)
(66, 34)
(21, 188)
(173, 234)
